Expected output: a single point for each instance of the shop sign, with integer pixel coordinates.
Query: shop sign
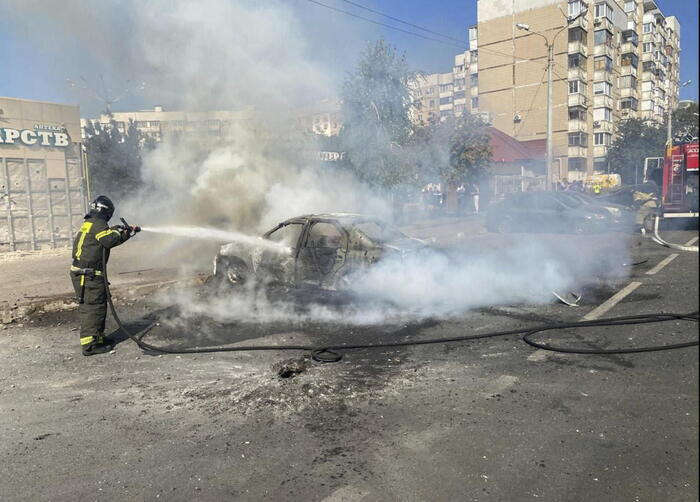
(41, 135)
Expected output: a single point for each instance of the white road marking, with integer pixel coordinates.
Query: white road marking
(691, 241)
(611, 302)
(662, 264)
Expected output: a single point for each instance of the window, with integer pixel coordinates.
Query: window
(602, 37)
(577, 61)
(602, 138)
(628, 104)
(446, 100)
(630, 36)
(575, 7)
(287, 235)
(577, 35)
(648, 66)
(459, 95)
(578, 139)
(459, 109)
(600, 164)
(474, 79)
(629, 59)
(602, 114)
(602, 88)
(459, 83)
(630, 6)
(602, 63)
(577, 164)
(647, 47)
(445, 113)
(577, 86)
(628, 81)
(474, 56)
(577, 113)
(603, 10)
(648, 28)
(472, 33)
(445, 87)
(475, 103)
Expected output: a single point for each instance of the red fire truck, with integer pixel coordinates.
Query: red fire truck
(677, 175)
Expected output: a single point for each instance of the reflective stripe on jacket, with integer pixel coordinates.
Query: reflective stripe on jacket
(94, 236)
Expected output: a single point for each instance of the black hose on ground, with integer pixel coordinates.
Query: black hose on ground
(330, 353)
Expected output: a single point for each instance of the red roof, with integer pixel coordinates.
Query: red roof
(506, 148)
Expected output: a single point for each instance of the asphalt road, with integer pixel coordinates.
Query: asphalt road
(487, 420)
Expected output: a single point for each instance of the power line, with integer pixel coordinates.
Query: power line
(405, 22)
(451, 44)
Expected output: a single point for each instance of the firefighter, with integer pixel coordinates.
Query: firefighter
(597, 188)
(86, 272)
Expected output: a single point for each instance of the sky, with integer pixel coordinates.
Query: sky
(43, 46)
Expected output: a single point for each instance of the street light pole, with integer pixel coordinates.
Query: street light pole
(669, 131)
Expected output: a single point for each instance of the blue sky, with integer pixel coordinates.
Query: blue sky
(37, 57)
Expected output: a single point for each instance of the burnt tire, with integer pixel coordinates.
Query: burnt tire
(231, 272)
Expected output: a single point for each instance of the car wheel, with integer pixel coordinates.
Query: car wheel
(231, 271)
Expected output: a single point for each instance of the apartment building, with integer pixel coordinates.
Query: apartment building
(441, 94)
(158, 122)
(612, 60)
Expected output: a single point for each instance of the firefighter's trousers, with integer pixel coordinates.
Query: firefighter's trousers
(93, 310)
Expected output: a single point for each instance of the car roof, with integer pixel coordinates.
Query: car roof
(342, 217)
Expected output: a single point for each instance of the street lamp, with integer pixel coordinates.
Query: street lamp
(550, 63)
(669, 133)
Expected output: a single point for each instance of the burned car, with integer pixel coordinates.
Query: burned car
(316, 250)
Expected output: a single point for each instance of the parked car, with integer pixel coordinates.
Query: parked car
(622, 217)
(316, 250)
(545, 212)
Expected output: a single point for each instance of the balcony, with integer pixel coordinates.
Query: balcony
(577, 73)
(628, 70)
(473, 67)
(581, 22)
(647, 56)
(600, 151)
(603, 100)
(628, 47)
(602, 126)
(629, 92)
(578, 47)
(578, 99)
(474, 91)
(577, 151)
(604, 50)
(606, 75)
(577, 125)
(648, 37)
(600, 23)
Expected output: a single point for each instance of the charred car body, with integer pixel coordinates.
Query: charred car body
(316, 250)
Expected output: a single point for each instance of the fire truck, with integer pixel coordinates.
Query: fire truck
(677, 175)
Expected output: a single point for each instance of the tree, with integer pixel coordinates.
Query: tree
(636, 139)
(685, 123)
(114, 158)
(454, 150)
(376, 117)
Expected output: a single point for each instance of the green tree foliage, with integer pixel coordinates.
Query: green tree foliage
(376, 117)
(636, 140)
(114, 158)
(685, 123)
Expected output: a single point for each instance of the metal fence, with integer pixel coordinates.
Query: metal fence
(505, 184)
(38, 212)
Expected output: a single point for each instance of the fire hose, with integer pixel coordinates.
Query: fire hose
(332, 353)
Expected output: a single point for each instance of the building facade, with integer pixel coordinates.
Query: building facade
(615, 60)
(42, 186)
(158, 123)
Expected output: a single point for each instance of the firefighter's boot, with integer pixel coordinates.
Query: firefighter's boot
(96, 345)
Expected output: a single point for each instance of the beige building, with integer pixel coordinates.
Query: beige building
(618, 59)
(158, 122)
(42, 190)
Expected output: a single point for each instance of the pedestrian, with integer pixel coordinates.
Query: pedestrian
(597, 188)
(475, 197)
(86, 272)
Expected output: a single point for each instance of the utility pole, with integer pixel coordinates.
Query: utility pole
(550, 69)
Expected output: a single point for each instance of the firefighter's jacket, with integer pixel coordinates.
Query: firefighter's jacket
(93, 237)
